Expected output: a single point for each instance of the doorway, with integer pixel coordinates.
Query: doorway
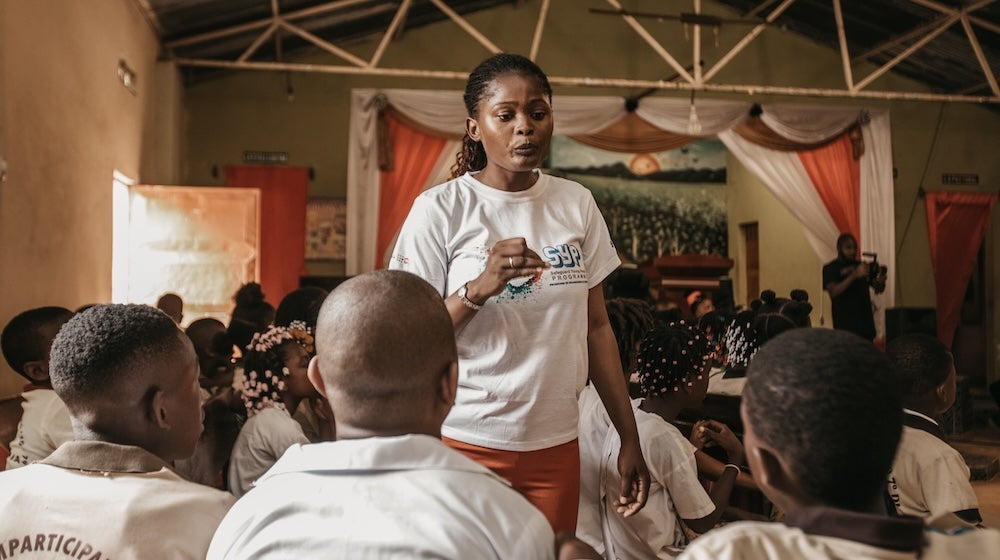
(751, 253)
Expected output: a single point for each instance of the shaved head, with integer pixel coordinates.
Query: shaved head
(384, 342)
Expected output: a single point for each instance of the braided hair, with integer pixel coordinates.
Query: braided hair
(713, 326)
(265, 366)
(670, 357)
(741, 340)
(630, 320)
(472, 156)
(777, 315)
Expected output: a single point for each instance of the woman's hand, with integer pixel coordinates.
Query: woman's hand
(508, 259)
(635, 479)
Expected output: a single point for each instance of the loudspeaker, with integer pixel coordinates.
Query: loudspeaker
(905, 320)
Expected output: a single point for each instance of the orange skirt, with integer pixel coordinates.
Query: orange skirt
(548, 478)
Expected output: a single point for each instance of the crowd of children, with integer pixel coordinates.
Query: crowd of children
(129, 416)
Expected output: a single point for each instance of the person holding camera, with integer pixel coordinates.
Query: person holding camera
(848, 280)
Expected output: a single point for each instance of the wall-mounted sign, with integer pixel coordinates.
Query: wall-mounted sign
(256, 156)
(959, 178)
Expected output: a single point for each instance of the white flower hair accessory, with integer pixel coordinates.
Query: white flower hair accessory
(264, 369)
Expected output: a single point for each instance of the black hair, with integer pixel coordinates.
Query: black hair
(713, 325)
(472, 157)
(209, 336)
(777, 315)
(22, 340)
(264, 368)
(251, 315)
(302, 305)
(107, 346)
(843, 238)
(921, 363)
(828, 403)
(670, 356)
(630, 320)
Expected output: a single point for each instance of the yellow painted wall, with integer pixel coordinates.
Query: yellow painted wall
(67, 125)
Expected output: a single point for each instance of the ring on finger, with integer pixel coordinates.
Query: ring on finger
(510, 260)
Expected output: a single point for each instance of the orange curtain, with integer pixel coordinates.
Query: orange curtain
(414, 157)
(283, 195)
(836, 174)
(956, 225)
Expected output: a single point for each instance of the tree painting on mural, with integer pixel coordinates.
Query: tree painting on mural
(655, 204)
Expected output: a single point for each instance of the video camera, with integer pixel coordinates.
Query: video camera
(876, 273)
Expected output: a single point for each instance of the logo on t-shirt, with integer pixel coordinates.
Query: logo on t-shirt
(567, 264)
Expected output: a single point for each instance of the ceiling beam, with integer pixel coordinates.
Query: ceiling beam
(468, 27)
(747, 39)
(978, 49)
(325, 45)
(759, 8)
(258, 42)
(845, 55)
(261, 23)
(906, 53)
(904, 38)
(652, 42)
(390, 33)
(696, 47)
(536, 40)
(588, 81)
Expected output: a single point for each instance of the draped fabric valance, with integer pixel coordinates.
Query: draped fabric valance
(769, 145)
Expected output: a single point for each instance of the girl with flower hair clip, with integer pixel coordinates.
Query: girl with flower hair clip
(672, 364)
(274, 385)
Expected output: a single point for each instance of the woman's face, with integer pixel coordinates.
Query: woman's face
(514, 123)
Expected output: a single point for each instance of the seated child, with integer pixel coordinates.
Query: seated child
(777, 315)
(388, 487)
(301, 308)
(45, 423)
(172, 305)
(274, 385)
(129, 377)
(929, 477)
(672, 364)
(823, 414)
(214, 348)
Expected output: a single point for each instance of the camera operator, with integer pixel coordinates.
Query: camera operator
(848, 281)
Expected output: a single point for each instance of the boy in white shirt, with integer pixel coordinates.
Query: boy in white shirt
(388, 487)
(129, 378)
(44, 424)
(822, 414)
(929, 478)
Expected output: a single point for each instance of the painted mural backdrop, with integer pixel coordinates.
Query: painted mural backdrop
(665, 203)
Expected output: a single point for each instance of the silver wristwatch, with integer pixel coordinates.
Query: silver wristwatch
(463, 297)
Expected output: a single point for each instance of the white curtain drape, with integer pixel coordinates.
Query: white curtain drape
(781, 172)
(878, 229)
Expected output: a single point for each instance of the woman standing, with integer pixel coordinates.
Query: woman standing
(520, 258)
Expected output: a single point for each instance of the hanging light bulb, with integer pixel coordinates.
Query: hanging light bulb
(694, 125)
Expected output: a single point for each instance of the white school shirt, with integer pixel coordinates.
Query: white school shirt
(407, 496)
(929, 478)
(825, 533)
(261, 442)
(44, 426)
(98, 501)
(523, 357)
(594, 425)
(675, 491)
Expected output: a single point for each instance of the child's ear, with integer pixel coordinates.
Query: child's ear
(774, 479)
(37, 371)
(315, 377)
(158, 410)
(472, 129)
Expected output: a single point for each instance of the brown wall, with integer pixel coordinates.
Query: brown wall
(67, 124)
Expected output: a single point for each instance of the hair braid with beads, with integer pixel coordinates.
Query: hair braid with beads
(472, 156)
(670, 357)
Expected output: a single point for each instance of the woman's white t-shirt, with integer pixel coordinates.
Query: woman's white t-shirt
(522, 357)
